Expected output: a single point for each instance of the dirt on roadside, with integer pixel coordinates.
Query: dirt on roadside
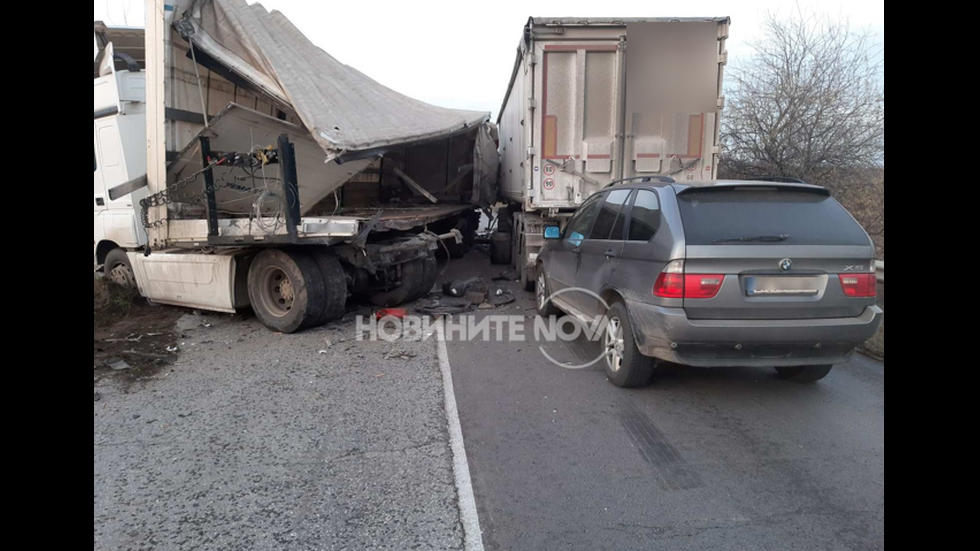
(129, 329)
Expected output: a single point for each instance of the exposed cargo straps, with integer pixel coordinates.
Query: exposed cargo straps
(172, 193)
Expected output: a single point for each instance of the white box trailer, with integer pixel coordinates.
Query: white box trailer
(586, 106)
(237, 164)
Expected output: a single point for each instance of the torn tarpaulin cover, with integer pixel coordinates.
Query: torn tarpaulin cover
(348, 114)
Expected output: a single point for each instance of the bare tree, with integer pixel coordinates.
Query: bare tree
(810, 101)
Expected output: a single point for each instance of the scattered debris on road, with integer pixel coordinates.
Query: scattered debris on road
(400, 355)
(444, 306)
(502, 297)
(398, 313)
(460, 287)
(116, 364)
(509, 275)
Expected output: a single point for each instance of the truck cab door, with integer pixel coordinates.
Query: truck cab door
(99, 195)
(98, 198)
(118, 218)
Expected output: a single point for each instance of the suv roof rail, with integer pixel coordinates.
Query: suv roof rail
(780, 179)
(661, 179)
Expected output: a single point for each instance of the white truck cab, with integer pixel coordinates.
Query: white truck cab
(119, 132)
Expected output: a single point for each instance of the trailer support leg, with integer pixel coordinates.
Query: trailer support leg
(287, 160)
(209, 187)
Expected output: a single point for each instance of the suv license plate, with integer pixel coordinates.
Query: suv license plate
(782, 286)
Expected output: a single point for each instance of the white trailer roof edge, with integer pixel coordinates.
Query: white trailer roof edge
(620, 21)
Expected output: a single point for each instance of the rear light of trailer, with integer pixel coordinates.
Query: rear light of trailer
(859, 285)
(674, 283)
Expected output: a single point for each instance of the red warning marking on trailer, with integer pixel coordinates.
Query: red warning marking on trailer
(549, 183)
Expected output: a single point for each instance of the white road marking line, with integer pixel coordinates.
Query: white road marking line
(473, 536)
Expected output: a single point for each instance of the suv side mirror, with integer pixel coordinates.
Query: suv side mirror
(552, 232)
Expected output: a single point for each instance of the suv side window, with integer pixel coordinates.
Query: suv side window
(578, 227)
(606, 221)
(645, 216)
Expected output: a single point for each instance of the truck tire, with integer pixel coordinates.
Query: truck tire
(118, 269)
(456, 250)
(521, 263)
(469, 232)
(334, 284)
(286, 290)
(625, 366)
(500, 248)
(467, 227)
(519, 256)
(430, 273)
(804, 373)
(413, 275)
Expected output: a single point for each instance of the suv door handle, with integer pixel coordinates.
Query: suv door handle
(610, 254)
(577, 250)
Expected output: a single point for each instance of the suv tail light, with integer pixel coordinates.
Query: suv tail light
(702, 285)
(670, 282)
(859, 285)
(674, 283)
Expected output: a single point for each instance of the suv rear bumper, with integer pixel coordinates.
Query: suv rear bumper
(668, 334)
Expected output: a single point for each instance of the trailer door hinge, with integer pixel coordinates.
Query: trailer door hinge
(531, 104)
(532, 59)
(530, 151)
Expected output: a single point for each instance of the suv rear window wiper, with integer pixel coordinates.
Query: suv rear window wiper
(754, 239)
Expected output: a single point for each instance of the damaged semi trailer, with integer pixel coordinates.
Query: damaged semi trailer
(596, 100)
(238, 165)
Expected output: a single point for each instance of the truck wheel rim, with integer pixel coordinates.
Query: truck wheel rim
(120, 274)
(614, 344)
(277, 291)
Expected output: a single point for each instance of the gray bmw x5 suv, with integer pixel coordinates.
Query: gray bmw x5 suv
(710, 274)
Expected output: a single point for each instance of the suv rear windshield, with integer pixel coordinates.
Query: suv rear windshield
(759, 216)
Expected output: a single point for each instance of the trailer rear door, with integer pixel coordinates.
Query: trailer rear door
(641, 100)
(581, 84)
(674, 73)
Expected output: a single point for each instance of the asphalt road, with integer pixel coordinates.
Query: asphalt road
(249, 439)
(259, 440)
(701, 459)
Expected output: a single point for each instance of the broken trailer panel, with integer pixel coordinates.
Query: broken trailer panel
(277, 177)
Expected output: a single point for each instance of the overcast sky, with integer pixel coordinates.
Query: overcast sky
(460, 53)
